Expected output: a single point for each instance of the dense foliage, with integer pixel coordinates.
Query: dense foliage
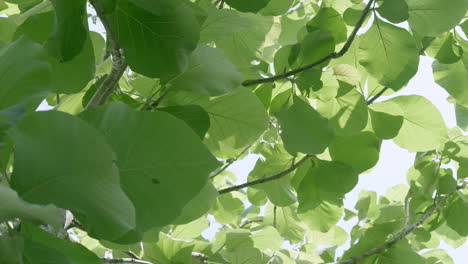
(130, 165)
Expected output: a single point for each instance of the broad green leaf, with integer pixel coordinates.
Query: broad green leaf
(75, 252)
(348, 113)
(395, 11)
(331, 20)
(155, 153)
(423, 13)
(244, 256)
(423, 128)
(275, 159)
(41, 254)
(453, 77)
(323, 217)
(361, 151)
(199, 205)
(11, 249)
(321, 41)
(347, 73)
(25, 73)
(70, 29)
(386, 118)
(277, 7)
(67, 76)
(232, 127)
(336, 236)
(461, 113)
(167, 33)
(267, 238)
(209, 72)
(190, 230)
(304, 129)
(72, 167)
(456, 214)
(227, 209)
(7, 27)
(193, 115)
(450, 236)
(252, 6)
(221, 23)
(324, 181)
(286, 221)
(14, 207)
(168, 251)
(389, 54)
(437, 256)
(445, 49)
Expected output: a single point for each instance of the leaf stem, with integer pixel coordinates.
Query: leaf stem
(265, 179)
(124, 261)
(231, 161)
(334, 55)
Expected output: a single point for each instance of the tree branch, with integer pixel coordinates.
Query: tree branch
(124, 261)
(265, 179)
(330, 56)
(375, 97)
(119, 64)
(407, 230)
(230, 162)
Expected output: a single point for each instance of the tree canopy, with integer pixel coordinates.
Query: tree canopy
(131, 163)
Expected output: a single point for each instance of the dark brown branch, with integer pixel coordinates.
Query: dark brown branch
(407, 230)
(265, 179)
(119, 64)
(333, 55)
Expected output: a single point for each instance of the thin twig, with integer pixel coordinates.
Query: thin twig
(157, 102)
(375, 97)
(330, 56)
(406, 230)
(231, 162)
(251, 221)
(124, 261)
(119, 65)
(265, 179)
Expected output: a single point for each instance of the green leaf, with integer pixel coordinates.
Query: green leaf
(67, 77)
(456, 214)
(386, 118)
(389, 54)
(155, 154)
(324, 181)
(275, 159)
(286, 221)
(75, 252)
(167, 33)
(331, 20)
(199, 205)
(324, 216)
(25, 73)
(244, 256)
(193, 115)
(221, 23)
(73, 168)
(236, 120)
(395, 11)
(423, 128)
(209, 72)
(304, 129)
(321, 41)
(348, 113)
(11, 249)
(34, 251)
(227, 209)
(277, 7)
(445, 49)
(168, 251)
(361, 151)
(461, 113)
(190, 230)
(70, 29)
(7, 27)
(437, 256)
(252, 6)
(447, 14)
(14, 207)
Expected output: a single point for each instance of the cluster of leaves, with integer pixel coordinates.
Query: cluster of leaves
(130, 164)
